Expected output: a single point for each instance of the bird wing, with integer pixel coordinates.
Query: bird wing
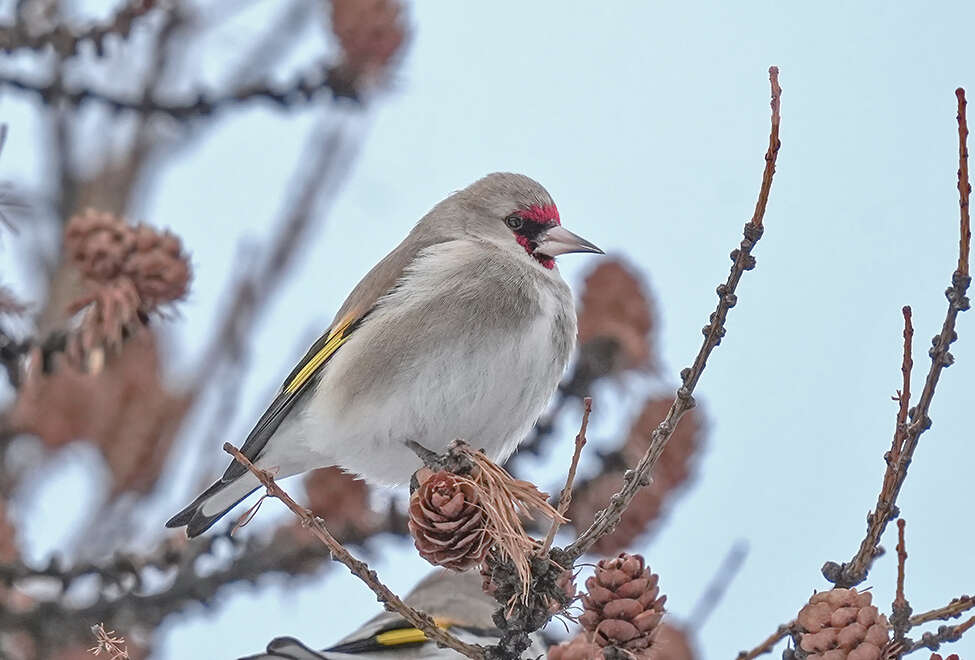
(301, 377)
(378, 282)
(402, 642)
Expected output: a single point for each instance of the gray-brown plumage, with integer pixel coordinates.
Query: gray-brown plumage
(462, 331)
(455, 600)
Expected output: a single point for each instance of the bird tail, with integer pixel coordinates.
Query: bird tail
(213, 503)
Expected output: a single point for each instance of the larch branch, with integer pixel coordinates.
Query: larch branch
(633, 480)
(565, 499)
(855, 571)
(359, 568)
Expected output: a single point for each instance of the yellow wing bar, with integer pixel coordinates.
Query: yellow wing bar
(401, 636)
(336, 337)
(408, 635)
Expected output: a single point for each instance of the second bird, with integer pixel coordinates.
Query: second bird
(462, 331)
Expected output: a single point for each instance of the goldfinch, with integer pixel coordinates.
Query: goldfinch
(462, 331)
(455, 601)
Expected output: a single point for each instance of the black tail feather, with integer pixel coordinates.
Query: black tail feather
(193, 518)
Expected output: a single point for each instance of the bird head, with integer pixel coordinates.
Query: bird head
(515, 213)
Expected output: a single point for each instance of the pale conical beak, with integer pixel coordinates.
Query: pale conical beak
(559, 240)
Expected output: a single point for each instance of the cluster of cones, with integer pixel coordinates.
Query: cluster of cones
(128, 271)
(107, 385)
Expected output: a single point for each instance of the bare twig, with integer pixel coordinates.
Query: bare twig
(635, 479)
(949, 611)
(566, 497)
(66, 41)
(855, 571)
(933, 641)
(964, 186)
(773, 149)
(901, 609)
(718, 585)
(360, 569)
(780, 633)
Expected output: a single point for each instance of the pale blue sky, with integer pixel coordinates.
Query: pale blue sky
(648, 124)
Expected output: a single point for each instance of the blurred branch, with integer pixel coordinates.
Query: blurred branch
(906, 438)
(357, 567)
(273, 44)
(300, 92)
(635, 479)
(256, 286)
(766, 646)
(718, 586)
(51, 620)
(66, 41)
(119, 603)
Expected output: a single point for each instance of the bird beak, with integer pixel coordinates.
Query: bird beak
(559, 240)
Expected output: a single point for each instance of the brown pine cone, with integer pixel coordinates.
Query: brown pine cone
(447, 524)
(370, 33)
(9, 550)
(841, 624)
(106, 248)
(622, 607)
(671, 643)
(578, 648)
(98, 243)
(158, 267)
(125, 410)
(341, 499)
(616, 305)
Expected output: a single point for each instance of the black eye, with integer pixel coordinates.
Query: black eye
(514, 222)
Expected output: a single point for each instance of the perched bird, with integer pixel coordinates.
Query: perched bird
(456, 602)
(462, 331)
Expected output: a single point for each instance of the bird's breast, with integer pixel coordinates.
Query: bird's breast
(442, 358)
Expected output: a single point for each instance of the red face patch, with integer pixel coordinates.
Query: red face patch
(537, 218)
(542, 213)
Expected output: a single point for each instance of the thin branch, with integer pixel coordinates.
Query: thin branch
(66, 41)
(773, 148)
(718, 585)
(566, 497)
(302, 91)
(635, 479)
(901, 609)
(964, 186)
(855, 571)
(933, 641)
(949, 611)
(780, 633)
(359, 568)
